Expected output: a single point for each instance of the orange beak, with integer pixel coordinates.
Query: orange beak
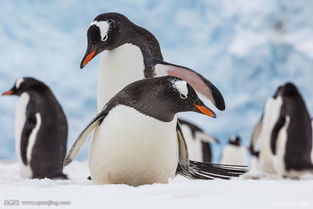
(7, 93)
(205, 111)
(88, 58)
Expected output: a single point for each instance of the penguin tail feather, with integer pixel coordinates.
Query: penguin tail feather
(210, 171)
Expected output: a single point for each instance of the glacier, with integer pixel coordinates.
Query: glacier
(246, 48)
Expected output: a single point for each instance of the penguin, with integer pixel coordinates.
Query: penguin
(234, 153)
(40, 130)
(291, 137)
(199, 142)
(135, 141)
(129, 53)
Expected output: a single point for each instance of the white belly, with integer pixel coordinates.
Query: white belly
(20, 119)
(281, 148)
(134, 149)
(194, 145)
(118, 68)
(271, 114)
(234, 155)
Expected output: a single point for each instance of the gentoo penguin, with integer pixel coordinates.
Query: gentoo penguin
(135, 140)
(129, 53)
(291, 136)
(40, 130)
(199, 142)
(234, 153)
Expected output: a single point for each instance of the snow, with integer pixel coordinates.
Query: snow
(179, 193)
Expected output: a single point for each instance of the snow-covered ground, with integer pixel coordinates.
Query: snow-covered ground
(179, 193)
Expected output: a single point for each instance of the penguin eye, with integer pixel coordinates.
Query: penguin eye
(105, 38)
(183, 96)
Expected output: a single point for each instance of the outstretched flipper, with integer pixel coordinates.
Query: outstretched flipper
(82, 137)
(201, 170)
(197, 81)
(210, 171)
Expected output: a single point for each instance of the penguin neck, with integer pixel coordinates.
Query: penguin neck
(118, 68)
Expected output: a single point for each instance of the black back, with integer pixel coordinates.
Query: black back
(299, 132)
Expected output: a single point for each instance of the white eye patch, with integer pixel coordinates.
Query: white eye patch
(19, 82)
(104, 27)
(181, 87)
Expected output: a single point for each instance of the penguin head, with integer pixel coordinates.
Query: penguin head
(22, 85)
(288, 89)
(163, 98)
(182, 97)
(235, 140)
(104, 33)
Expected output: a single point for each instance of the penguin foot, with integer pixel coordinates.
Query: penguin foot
(89, 178)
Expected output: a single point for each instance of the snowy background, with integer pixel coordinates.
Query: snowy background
(246, 48)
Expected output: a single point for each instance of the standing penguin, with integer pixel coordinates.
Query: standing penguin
(40, 130)
(234, 153)
(199, 142)
(135, 140)
(129, 53)
(291, 137)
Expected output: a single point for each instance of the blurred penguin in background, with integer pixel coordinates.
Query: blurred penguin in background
(199, 142)
(286, 135)
(40, 130)
(234, 153)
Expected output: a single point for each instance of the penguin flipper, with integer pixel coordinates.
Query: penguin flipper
(209, 171)
(82, 137)
(182, 147)
(27, 130)
(197, 81)
(202, 170)
(279, 124)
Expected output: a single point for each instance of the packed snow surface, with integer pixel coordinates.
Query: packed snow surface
(179, 193)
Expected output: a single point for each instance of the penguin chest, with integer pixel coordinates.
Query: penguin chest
(132, 148)
(118, 68)
(20, 120)
(271, 115)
